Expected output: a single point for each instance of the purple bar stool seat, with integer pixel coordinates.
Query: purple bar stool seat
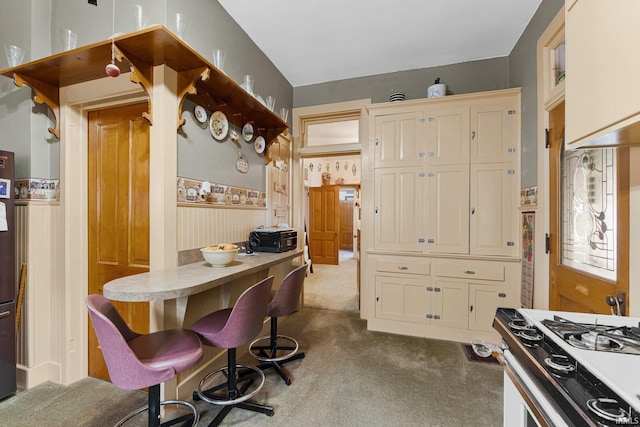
(136, 361)
(277, 350)
(230, 328)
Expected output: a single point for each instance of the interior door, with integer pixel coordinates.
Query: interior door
(346, 224)
(324, 224)
(570, 288)
(118, 211)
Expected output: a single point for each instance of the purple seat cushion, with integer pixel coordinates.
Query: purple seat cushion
(176, 348)
(287, 297)
(210, 325)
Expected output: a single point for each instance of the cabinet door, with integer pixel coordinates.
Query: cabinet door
(397, 216)
(449, 302)
(494, 132)
(602, 88)
(448, 135)
(402, 298)
(448, 202)
(399, 139)
(493, 225)
(483, 303)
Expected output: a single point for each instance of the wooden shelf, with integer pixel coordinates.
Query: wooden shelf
(140, 52)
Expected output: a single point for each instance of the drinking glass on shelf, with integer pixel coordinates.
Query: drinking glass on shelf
(15, 54)
(284, 114)
(181, 25)
(248, 83)
(139, 17)
(218, 59)
(69, 39)
(271, 102)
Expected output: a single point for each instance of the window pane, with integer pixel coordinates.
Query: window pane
(588, 212)
(341, 132)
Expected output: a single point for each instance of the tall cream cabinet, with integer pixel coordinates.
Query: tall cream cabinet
(602, 88)
(440, 230)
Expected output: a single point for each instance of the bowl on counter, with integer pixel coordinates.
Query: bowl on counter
(220, 255)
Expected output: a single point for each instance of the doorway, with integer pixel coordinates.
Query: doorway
(118, 211)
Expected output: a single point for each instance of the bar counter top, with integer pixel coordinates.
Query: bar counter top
(191, 278)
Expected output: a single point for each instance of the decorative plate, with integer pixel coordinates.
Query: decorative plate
(241, 164)
(247, 132)
(200, 113)
(218, 125)
(260, 145)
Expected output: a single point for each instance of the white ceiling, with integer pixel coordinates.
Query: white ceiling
(319, 41)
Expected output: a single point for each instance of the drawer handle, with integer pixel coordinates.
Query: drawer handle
(402, 267)
(469, 272)
(4, 314)
(502, 295)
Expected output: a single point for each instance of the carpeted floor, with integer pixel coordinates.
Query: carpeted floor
(333, 287)
(349, 377)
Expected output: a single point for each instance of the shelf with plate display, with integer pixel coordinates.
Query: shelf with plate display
(139, 52)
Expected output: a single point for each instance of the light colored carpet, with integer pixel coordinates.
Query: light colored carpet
(349, 377)
(333, 287)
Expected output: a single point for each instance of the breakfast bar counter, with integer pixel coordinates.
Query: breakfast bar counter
(191, 279)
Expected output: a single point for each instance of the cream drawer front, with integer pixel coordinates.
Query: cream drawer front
(471, 271)
(401, 266)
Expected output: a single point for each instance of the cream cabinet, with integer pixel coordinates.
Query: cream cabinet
(455, 299)
(399, 138)
(278, 180)
(422, 200)
(602, 88)
(398, 209)
(493, 224)
(447, 199)
(441, 246)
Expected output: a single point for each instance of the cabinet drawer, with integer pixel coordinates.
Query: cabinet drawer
(402, 266)
(471, 271)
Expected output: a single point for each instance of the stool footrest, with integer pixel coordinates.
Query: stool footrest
(194, 416)
(224, 390)
(272, 350)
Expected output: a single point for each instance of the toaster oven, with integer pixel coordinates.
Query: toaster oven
(273, 239)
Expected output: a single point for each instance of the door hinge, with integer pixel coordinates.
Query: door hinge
(547, 243)
(511, 112)
(421, 120)
(546, 138)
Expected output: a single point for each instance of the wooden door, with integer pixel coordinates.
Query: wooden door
(324, 224)
(346, 224)
(571, 289)
(448, 135)
(118, 187)
(399, 139)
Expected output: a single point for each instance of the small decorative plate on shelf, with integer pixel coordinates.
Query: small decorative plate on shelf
(247, 132)
(260, 145)
(200, 114)
(218, 125)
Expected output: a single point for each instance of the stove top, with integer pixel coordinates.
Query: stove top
(596, 337)
(588, 366)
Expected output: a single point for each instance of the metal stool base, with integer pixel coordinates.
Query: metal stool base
(177, 420)
(269, 351)
(220, 394)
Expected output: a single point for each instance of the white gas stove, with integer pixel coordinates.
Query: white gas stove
(572, 369)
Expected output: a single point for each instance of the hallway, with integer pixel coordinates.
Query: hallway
(333, 287)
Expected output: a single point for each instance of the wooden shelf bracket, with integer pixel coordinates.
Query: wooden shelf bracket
(44, 94)
(187, 86)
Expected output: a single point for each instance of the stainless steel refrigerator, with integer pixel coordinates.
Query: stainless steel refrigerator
(7, 277)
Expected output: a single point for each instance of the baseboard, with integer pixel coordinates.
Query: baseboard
(30, 377)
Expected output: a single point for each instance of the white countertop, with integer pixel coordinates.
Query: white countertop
(190, 279)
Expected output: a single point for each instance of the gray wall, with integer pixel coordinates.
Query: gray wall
(522, 73)
(467, 77)
(36, 24)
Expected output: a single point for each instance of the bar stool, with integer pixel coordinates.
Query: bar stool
(136, 361)
(230, 328)
(281, 349)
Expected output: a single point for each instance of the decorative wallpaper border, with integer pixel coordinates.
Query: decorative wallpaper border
(37, 189)
(207, 193)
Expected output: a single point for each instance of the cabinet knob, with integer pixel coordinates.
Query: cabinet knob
(502, 295)
(473, 135)
(469, 272)
(471, 309)
(402, 267)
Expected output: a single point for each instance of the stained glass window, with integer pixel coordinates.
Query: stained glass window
(588, 213)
